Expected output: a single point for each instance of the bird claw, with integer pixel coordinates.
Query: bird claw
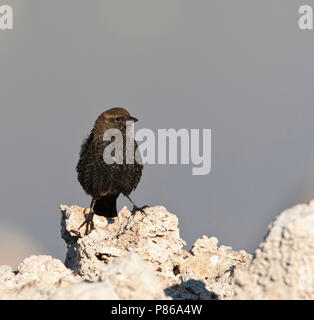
(89, 223)
(141, 209)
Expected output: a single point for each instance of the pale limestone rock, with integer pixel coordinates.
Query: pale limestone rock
(42, 277)
(213, 267)
(42, 268)
(86, 291)
(6, 273)
(210, 262)
(283, 264)
(127, 277)
(5, 268)
(154, 235)
(137, 256)
(132, 278)
(36, 277)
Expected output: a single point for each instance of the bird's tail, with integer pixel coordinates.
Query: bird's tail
(107, 206)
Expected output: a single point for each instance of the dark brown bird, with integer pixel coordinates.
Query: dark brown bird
(105, 181)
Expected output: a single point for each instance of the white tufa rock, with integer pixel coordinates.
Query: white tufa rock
(283, 264)
(153, 235)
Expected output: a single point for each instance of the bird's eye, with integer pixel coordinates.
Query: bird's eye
(117, 119)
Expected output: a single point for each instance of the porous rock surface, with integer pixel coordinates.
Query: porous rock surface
(283, 264)
(206, 272)
(43, 277)
(142, 256)
(36, 277)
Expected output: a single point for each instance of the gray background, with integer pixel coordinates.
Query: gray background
(241, 68)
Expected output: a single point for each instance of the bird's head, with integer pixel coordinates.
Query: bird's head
(114, 118)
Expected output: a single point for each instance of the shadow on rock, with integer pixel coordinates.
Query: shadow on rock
(190, 290)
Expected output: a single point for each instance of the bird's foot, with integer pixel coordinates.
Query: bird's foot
(141, 209)
(88, 222)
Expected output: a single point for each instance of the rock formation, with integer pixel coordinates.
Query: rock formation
(42, 277)
(205, 272)
(141, 256)
(283, 264)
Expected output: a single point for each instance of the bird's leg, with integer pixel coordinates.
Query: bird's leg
(89, 219)
(135, 207)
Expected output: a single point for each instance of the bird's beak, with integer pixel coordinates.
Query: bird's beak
(132, 119)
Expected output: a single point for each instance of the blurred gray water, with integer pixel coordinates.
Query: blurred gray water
(240, 68)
